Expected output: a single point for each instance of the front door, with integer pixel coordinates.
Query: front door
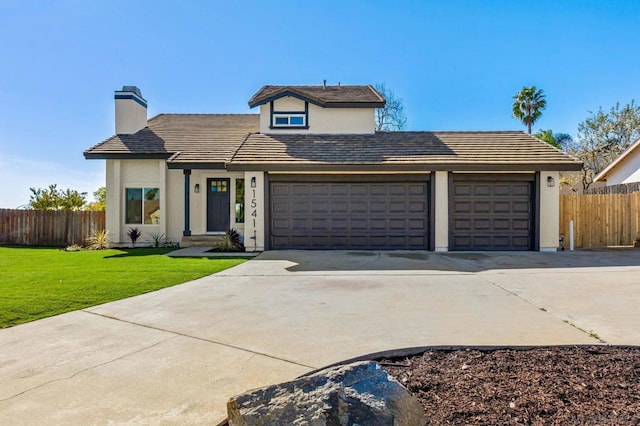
(218, 205)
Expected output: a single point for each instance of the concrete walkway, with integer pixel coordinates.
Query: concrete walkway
(176, 355)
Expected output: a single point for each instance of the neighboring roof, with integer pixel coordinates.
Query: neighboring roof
(602, 176)
(496, 151)
(324, 96)
(209, 139)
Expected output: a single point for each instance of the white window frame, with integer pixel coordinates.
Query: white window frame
(288, 116)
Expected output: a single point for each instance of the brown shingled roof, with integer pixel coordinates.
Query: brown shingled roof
(506, 150)
(325, 96)
(232, 141)
(186, 138)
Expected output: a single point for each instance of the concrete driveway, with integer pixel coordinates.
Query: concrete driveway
(176, 355)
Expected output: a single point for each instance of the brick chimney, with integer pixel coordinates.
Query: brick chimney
(131, 110)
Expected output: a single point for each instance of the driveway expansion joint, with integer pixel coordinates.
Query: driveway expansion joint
(202, 339)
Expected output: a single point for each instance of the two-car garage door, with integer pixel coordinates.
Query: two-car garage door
(486, 212)
(357, 212)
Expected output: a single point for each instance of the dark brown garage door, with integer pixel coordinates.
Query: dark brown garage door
(348, 213)
(491, 212)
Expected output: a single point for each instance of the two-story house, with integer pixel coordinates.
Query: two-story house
(310, 172)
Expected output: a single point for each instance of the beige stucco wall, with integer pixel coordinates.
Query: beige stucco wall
(441, 211)
(255, 211)
(123, 174)
(175, 205)
(130, 116)
(626, 171)
(549, 211)
(153, 173)
(198, 201)
(114, 193)
(321, 120)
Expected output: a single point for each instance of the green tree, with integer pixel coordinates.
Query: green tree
(52, 198)
(100, 200)
(603, 136)
(391, 116)
(561, 141)
(528, 105)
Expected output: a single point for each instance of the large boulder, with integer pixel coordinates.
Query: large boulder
(361, 393)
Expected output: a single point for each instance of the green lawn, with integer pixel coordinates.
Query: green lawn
(41, 282)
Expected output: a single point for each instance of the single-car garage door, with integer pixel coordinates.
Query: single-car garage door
(358, 212)
(491, 212)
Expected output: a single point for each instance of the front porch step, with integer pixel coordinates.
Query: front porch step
(200, 240)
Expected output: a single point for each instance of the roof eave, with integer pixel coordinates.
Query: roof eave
(181, 165)
(126, 156)
(424, 167)
(294, 94)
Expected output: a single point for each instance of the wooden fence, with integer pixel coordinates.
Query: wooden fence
(47, 227)
(600, 220)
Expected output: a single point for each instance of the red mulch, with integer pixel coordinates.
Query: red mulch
(596, 385)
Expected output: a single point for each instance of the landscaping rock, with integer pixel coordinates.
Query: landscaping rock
(361, 393)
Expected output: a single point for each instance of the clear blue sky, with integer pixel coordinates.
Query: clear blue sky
(456, 65)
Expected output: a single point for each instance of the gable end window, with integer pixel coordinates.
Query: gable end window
(142, 206)
(289, 120)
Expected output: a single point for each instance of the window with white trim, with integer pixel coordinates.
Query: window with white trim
(289, 120)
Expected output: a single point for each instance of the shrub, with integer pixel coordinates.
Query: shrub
(230, 242)
(157, 239)
(99, 240)
(133, 234)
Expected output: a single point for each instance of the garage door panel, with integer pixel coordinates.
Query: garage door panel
(398, 190)
(320, 190)
(417, 207)
(377, 215)
(339, 207)
(358, 207)
(501, 207)
(482, 224)
(521, 224)
(338, 223)
(416, 224)
(462, 207)
(490, 215)
(462, 189)
(378, 207)
(397, 207)
(501, 224)
(319, 207)
(416, 189)
(521, 189)
(482, 190)
(357, 190)
(520, 241)
(521, 207)
(501, 190)
(279, 189)
(483, 206)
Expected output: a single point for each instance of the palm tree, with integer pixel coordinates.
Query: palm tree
(528, 105)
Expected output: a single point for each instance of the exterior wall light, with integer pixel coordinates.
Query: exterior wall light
(550, 181)
(196, 188)
(253, 181)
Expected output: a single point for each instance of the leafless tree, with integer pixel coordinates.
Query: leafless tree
(391, 116)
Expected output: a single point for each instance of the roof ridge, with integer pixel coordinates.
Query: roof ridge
(246, 136)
